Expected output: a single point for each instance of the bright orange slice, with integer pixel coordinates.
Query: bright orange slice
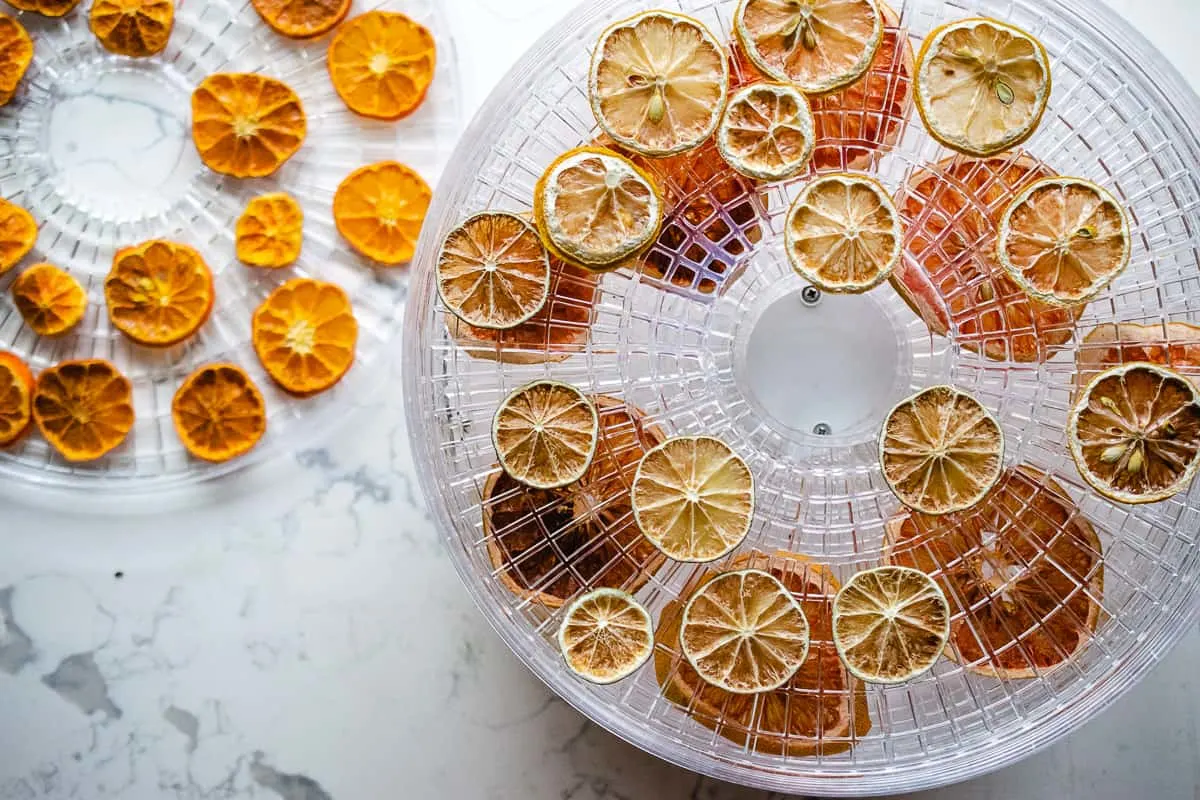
(18, 233)
(302, 19)
(380, 208)
(381, 64)
(219, 413)
(767, 132)
(270, 232)
(605, 636)
(16, 399)
(49, 299)
(546, 434)
(159, 293)
(246, 125)
(47, 8)
(136, 28)
(16, 54)
(84, 409)
(305, 335)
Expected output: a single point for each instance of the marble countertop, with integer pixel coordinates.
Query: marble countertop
(323, 648)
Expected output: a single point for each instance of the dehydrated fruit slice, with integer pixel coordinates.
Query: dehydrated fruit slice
(270, 232)
(135, 28)
(380, 208)
(16, 399)
(246, 125)
(767, 132)
(49, 299)
(381, 64)
(545, 434)
(219, 413)
(84, 409)
(302, 19)
(305, 335)
(16, 54)
(18, 233)
(1174, 344)
(159, 293)
(47, 8)
(605, 636)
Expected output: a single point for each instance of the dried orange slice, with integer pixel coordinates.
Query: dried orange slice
(843, 233)
(1063, 240)
(159, 293)
(493, 271)
(981, 85)
(246, 125)
(18, 233)
(380, 208)
(693, 497)
(381, 64)
(136, 28)
(302, 19)
(817, 45)
(47, 8)
(270, 232)
(890, 624)
(545, 434)
(767, 132)
(219, 413)
(658, 83)
(84, 409)
(1135, 433)
(16, 399)
(605, 636)
(16, 54)
(305, 335)
(1174, 344)
(49, 299)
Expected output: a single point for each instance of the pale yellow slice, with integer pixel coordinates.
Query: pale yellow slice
(605, 636)
(767, 132)
(545, 434)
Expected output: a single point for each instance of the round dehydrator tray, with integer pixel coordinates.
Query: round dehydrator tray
(713, 333)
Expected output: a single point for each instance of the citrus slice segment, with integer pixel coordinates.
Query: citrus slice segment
(605, 636)
(305, 335)
(270, 232)
(744, 632)
(493, 271)
(49, 299)
(380, 208)
(219, 413)
(1135, 433)
(246, 125)
(658, 83)
(843, 233)
(545, 434)
(941, 450)
(16, 399)
(381, 64)
(766, 132)
(302, 19)
(890, 624)
(981, 85)
(16, 54)
(693, 497)
(135, 28)
(817, 45)
(84, 409)
(18, 233)
(1175, 345)
(596, 209)
(47, 8)
(159, 293)
(1063, 240)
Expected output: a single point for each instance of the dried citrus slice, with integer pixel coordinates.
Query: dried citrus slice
(270, 232)
(1023, 570)
(16, 54)
(47, 8)
(817, 45)
(18, 233)
(136, 28)
(1174, 344)
(890, 624)
(159, 293)
(219, 413)
(941, 450)
(49, 299)
(493, 271)
(605, 636)
(545, 434)
(1063, 240)
(246, 125)
(16, 399)
(767, 132)
(83, 408)
(305, 334)
(302, 19)
(843, 233)
(596, 208)
(381, 64)
(380, 208)
(658, 83)
(981, 85)
(1135, 433)
(693, 497)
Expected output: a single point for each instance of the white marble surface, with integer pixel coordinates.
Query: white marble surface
(325, 649)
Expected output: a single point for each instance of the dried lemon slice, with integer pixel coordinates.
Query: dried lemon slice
(605, 636)
(767, 132)
(545, 434)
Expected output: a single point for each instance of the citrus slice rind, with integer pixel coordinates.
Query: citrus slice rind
(270, 231)
(305, 335)
(218, 413)
(605, 636)
(767, 132)
(843, 233)
(16, 399)
(545, 434)
(744, 632)
(380, 209)
(50, 300)
(1135, 433)
(658, 83)
(246, 125)
(302, 19)
(84, 409)
(159, 293)
(18, 234)
(981, 85)
(134, 28)
(16, 54)
(382, 63)
(1064, 240)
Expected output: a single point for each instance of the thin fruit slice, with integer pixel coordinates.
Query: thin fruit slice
(381, 64)
(493, 271)
(981, 85)
(84, 409)
(49, 299)
(843, 233)
(545, 434)
(1063, 240)
(159, 293)
(18, 232)
(658, 83)
(817, 45)
(135, 28)
(302, 19)
(380, 208)
(246, 125)
(941, 450)
(47, 8)
(305, 334)
(270, 232)
(1024, 572)
(16, 54)
(596, 209)
(1135, 433)
(693, 497)
(890, 624)
(744, 632)
(219, 413)
(767, 132)
(1174, 344)
(16, 399)
(605, 636)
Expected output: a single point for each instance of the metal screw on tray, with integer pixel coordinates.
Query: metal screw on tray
(822, 428)
(810, 296)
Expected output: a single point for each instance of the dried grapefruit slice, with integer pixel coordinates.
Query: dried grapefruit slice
(159, 293)
(302, 19)
(16, 399)
(1174, 344)
(605, 636)
(270, 232)
(47, 8)
(135, 28)
(246, 125)
(16, 54)
(545, 434)
(380, 208)
(18, 233)
(84, 409)
(767, 132)
(49, 299)
(381, 64)
(219, 413)
(305, 335)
